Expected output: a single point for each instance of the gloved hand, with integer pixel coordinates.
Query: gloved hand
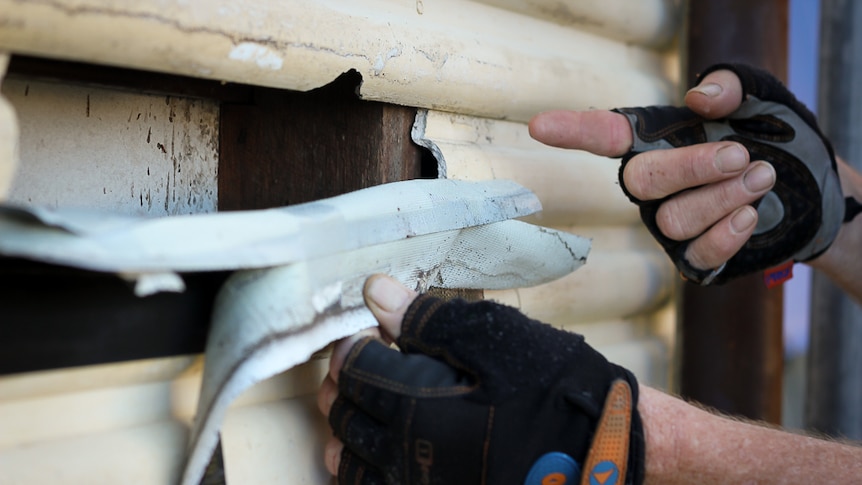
(480, 394)
(799, 218)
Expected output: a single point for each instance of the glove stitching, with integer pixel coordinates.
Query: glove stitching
(426, 317)
(408, 424)
(441, 353)
(400, 388)
(767, 119)
(343, 465)
(360, 474)
(344, 424)
(410, 326)
(669, 129)
(354, 352)
(486, 447)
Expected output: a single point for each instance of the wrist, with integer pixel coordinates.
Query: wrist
(661, 436)
(840, 262)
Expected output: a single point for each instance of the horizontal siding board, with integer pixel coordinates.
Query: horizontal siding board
(59, 426)
(436, 56)
(626, 272)
(34, 385)
(257, 439)
(149, 454)
(62, 404)
(611, 284)
(129, 422)
(9, 134)
(646, 22)
(573, 186)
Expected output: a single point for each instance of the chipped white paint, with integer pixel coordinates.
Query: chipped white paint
(113, 150)
(450, 55)
(9, 144)
(381, 60)
(263, 56)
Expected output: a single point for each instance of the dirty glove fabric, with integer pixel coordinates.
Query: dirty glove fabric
(799, 218)
(480, 394)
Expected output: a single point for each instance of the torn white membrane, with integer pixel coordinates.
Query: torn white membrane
(256, 239)
(267, 321)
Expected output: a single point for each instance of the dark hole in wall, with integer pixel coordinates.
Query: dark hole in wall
(287, 147)
(347, 88)
(277, 147)
(428, 164)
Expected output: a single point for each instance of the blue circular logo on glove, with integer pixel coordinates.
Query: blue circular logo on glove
(554, 468)
(604, 473)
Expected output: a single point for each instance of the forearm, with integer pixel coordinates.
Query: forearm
(686, 444)
(842, 262)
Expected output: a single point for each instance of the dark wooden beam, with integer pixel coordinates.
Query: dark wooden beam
(285, 147)
(732, 347)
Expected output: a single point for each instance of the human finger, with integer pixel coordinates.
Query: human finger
(352, 470)
(723, 240)
(655, 174)
(693, 212)
(326, 395)
(388, 300)
(377, 378)
(601, 132)
(359, 432)
(332, 455)
(717, 95)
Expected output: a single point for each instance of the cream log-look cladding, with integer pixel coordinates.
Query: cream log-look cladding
(480, 69)
(8, 136)
(423, 54)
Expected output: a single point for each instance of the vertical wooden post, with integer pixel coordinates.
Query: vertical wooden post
(732, 349)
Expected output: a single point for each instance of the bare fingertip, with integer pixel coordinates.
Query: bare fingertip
(332, 455)
(710, 90)
(760, 177)
(731, 158)
(744, 219)
(326, 395)
(386, 294)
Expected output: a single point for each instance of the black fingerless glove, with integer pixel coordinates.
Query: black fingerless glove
(481, 394)
(799, 218)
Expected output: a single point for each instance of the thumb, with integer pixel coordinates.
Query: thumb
(717, 95)
(388, 300)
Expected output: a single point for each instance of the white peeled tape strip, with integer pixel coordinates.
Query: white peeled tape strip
(267, 321)
(256, 239)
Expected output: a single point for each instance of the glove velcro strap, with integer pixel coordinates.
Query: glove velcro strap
(608, 458)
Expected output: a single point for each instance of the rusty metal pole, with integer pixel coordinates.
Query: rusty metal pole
(834, 397)
(732, 349)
